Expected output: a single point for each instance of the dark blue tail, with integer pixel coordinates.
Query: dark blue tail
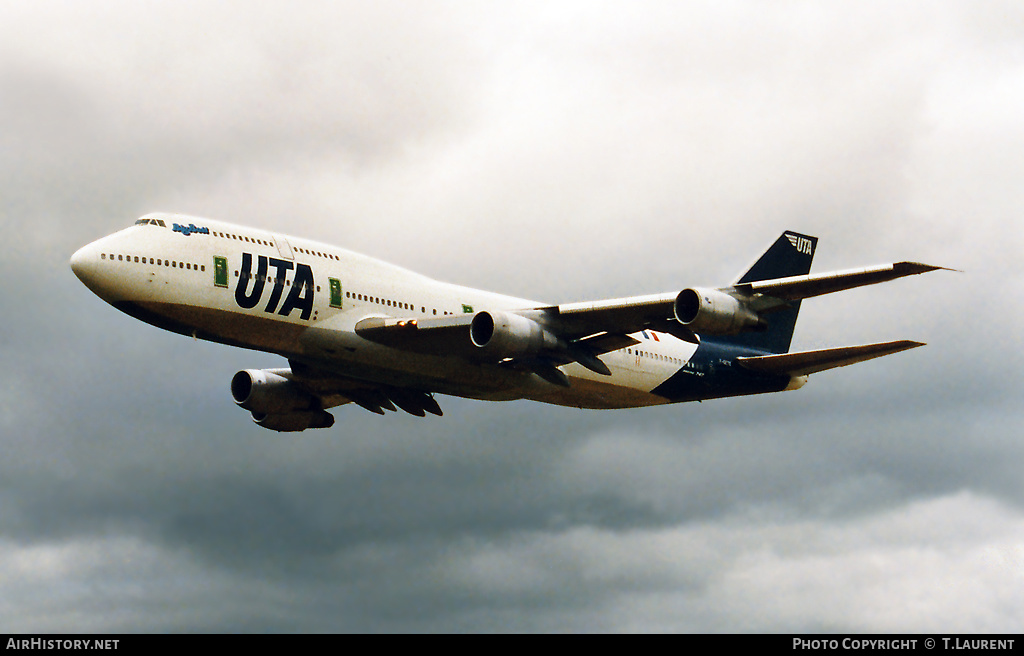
(790, 255)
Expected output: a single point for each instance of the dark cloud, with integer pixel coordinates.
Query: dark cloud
(556, 152)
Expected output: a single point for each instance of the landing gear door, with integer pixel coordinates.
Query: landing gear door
(283, 247)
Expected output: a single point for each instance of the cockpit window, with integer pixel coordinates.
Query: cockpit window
(156, 222)
(142, 222)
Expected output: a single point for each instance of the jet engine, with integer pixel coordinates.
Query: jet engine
(277, 403)
(294, 421)
(506, 335)
(267, 393)
(712, 312)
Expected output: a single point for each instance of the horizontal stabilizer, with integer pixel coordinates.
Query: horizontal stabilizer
(809, 362)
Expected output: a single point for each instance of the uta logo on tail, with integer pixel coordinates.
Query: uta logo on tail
(801, 244)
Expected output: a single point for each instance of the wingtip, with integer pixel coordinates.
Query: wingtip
(913, 268)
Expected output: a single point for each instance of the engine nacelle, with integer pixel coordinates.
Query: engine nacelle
(292, 422)
(711, 312)
(266, 393)
(506, 335)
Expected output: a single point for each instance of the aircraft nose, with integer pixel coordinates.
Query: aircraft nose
(79, 262)
(87, 265)
(83, 263)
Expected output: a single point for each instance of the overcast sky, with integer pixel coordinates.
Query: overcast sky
(563, 151)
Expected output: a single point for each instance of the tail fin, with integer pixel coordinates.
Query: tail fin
(790, 255)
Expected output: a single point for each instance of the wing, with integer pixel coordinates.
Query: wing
(800, 287)
(333, 389)
(582, 331)
(640, 312)
(764, 300)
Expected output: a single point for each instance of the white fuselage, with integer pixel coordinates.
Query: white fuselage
(302, 299)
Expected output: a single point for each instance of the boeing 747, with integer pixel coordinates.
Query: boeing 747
(358, 330)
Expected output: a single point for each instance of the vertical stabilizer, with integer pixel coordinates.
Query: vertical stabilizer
(790, 255)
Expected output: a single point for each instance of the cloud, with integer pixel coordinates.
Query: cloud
(559, 152)
(952, 563)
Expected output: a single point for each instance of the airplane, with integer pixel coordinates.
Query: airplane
(358, 330)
